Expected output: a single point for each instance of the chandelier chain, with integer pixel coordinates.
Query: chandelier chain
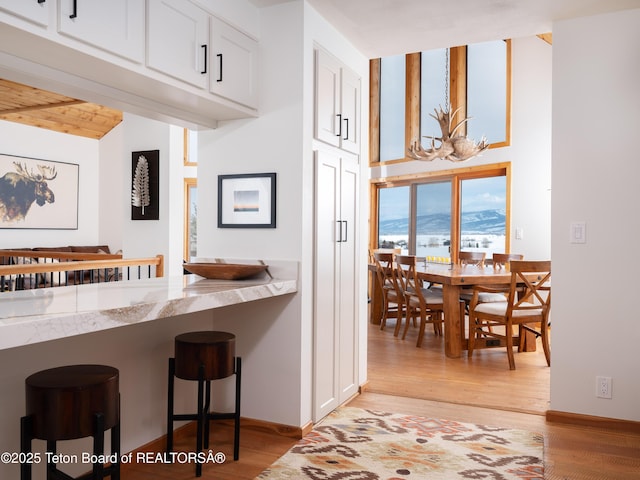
(446, 79)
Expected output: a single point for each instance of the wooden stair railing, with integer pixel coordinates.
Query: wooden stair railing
(69, 263)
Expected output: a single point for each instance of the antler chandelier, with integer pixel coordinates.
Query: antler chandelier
(454, 146)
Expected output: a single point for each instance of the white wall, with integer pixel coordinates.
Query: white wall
(595, 179)
(271, 143)
(529, 152)
(145, 238)
(280, 141)
(113, 184)
(25, 141)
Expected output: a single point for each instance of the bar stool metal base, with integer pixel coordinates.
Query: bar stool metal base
(203, 415)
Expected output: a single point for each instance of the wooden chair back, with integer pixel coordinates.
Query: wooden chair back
(530, 290)
(472, 258)
(385, 270)
(406, 275)
(501, 260)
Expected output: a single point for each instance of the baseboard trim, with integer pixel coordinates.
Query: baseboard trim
(629, 426)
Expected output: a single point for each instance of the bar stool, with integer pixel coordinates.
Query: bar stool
(204, 356)
(70, 402)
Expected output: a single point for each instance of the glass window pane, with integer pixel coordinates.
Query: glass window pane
(433, 91)
(393, 217)
(487, 91)
(433, 220)
(483, 206)
(392, 107)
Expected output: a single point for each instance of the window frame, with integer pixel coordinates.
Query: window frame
(456, 176)
(189, 184)
(457, 97)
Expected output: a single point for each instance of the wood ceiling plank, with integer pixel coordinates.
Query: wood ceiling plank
(40, 108)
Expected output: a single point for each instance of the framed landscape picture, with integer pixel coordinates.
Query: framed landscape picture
(39, 194)
(247, 200)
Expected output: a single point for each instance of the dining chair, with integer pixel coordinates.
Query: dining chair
(472, 258)
(501, 260)
(418, 300)
(475, 259)
(527, 305)
(392, 296)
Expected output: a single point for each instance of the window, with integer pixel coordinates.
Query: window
(406, 89)
(439, 214)
(392, 107)
(487, 82)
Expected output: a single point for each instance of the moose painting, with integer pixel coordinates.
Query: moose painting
(38, 193)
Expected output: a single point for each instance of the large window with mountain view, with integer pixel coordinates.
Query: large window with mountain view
(438, 215)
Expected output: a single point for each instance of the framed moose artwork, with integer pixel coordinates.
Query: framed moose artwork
(39, 194)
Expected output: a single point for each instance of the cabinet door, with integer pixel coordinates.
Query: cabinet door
(32, 10)
(178, 40)
(336, 283)
(348, 285)
(234, 64)
(327, 100)
(337, 103)
(326, 327)
(350, 111)
(116, 26)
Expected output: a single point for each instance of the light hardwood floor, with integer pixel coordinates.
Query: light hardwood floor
(405, 379)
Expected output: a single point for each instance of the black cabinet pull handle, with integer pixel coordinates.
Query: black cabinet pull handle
(219, 55)
(346, 121)
(75, 9)
(339, 134)
(205, 59)
(345, 230)
(339, 232)
(41, 1)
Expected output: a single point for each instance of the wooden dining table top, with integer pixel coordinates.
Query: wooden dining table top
(463, 274)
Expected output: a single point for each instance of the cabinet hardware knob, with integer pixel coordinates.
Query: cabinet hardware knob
(75, 9)
(339, 134)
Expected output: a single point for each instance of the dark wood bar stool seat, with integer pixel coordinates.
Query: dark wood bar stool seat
(70, 402)
(203, 357)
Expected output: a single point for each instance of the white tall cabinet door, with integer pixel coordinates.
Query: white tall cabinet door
(31, 10)
(234, 64)
(337, 103)
(335, 309)
(116, 26)
(178, 40)
(350, 111)
(327, 100)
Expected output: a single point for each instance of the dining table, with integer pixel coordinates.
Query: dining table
(455, 278)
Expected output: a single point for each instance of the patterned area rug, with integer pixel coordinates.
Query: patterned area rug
(356, 444)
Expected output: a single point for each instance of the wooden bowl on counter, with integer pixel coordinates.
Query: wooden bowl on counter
(225, 271)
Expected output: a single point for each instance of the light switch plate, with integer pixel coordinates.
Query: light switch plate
(578, 232)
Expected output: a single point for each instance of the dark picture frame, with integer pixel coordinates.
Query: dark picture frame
(149, 209)
(247, 200)
(38, 194)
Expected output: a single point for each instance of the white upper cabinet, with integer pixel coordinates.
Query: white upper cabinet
(178, 40)
(234, 64)
(337, 103)
(116, 26)
(35, 11)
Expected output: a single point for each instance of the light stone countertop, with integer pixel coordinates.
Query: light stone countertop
(39, 315)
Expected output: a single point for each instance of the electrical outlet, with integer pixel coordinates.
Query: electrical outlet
(603, 387)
